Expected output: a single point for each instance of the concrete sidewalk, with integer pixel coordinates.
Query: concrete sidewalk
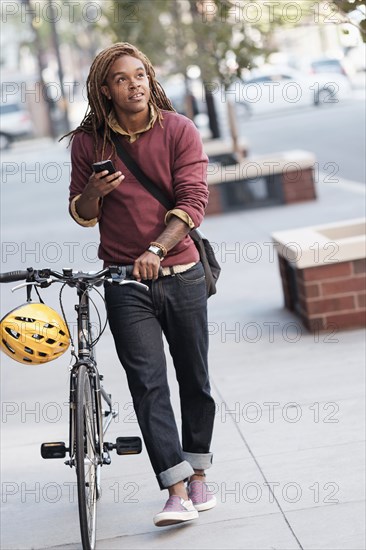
(288, 440)
(288, 443)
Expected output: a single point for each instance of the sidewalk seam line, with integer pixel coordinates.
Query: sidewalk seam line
(203, 525)
(260, 470)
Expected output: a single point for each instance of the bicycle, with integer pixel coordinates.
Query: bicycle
(88, 420)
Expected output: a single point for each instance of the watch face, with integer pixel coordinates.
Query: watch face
(156, 250)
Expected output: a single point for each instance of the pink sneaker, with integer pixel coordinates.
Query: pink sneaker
(201, 496)
(176, 510)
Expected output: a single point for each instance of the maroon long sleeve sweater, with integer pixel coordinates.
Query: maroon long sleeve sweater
(130, 217)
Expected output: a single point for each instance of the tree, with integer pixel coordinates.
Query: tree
(357, 8)
(206, 33)
(221, 37)
(140, 22)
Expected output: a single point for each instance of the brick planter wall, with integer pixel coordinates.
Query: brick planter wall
(215, 202)
(285, 184)
(298, 186)
(327, 296)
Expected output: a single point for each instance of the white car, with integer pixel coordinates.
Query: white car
(281, 89)
(15, 121)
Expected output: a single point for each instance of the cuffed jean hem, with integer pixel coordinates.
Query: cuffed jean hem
(173, 475)
(199, 461)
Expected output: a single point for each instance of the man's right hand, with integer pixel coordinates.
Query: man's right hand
(99, 185)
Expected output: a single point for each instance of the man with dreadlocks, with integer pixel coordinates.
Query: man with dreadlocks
(126, 100)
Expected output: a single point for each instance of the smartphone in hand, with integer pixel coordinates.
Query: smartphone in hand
(104, 165)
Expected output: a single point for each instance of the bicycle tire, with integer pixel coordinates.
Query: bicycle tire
(87, 458)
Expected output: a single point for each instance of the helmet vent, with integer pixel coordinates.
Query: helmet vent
(50, 341)
(28, 350)
(37, 336)
(61, 332)
(48, 325)
(8, 347)
(27, 360)
(25, 319)
(42, 354)
(12, 332)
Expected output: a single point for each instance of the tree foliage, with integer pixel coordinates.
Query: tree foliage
(347, 7)
(220, 36)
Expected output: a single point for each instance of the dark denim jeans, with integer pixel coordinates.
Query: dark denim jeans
(176, 306)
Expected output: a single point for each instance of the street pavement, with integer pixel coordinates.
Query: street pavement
(336, 134)
(288, 443)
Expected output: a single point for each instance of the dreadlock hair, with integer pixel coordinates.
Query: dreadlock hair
(99, 106)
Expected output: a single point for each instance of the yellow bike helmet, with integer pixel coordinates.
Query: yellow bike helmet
(33, 334)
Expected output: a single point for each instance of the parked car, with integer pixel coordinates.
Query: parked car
(332, 66)
(284, 88)
(15, 121)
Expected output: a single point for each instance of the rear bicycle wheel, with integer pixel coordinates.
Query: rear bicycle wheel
(87, 458)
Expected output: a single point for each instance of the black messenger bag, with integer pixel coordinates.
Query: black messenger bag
(207, 256)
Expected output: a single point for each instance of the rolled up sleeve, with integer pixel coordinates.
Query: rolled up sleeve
(190, 175)
(77, 218)
(81, 170)
(178, 213)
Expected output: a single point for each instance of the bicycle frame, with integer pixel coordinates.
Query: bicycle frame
(86, 357)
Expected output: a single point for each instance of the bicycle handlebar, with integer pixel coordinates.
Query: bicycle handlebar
(45, 277)
(12, 276)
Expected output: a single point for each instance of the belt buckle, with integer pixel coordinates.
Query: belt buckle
(163, 273)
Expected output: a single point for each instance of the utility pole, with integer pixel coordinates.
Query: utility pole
(210, 102)
(180, 61)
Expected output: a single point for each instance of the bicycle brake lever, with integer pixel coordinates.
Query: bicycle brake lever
(124, 282)
(44, 283)
(127, 282)
(22, 285)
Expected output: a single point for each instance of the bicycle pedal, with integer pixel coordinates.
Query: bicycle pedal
(53, 450)
(128, 445)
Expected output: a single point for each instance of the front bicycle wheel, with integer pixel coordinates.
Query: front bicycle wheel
(87, 457)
